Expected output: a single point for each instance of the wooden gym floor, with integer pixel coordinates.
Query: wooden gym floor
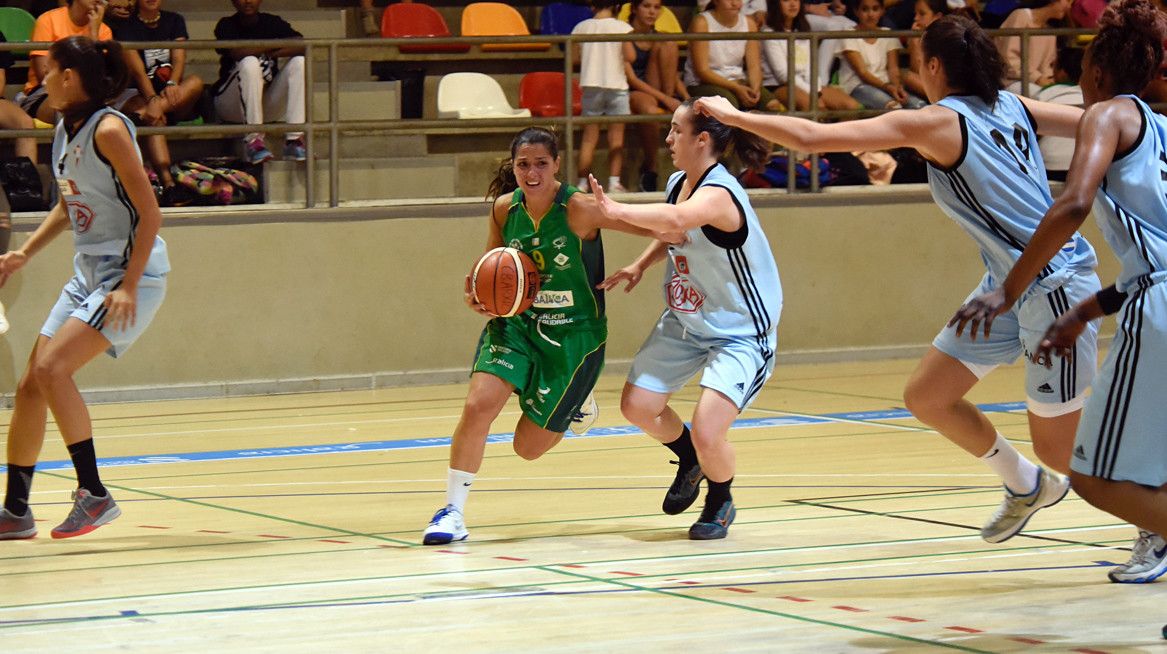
(292, 523)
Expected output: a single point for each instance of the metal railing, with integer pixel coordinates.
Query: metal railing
(382, 49)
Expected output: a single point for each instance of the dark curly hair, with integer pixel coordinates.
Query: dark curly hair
(1129, 45)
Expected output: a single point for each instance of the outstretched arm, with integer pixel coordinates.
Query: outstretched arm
(709, 205)
(1053, 119)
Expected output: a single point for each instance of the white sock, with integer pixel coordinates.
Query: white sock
(613, 181)
(1018, 473)
(458, 488)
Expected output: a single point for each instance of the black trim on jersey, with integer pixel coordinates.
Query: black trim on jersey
(1032, 121)
(120, 190)
(964, 192)
(963, 144)
(721, 238)
(1118, 400)
(1142, 132)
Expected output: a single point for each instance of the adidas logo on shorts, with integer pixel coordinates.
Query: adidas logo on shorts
(1044, 388)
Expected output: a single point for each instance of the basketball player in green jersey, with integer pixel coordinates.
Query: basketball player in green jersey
(551, 354)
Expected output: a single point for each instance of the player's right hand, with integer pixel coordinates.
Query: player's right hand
(716, 107)
(473, 302)
(1059, 339)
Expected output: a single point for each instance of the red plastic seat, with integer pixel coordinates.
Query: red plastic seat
(417, 20)
(542, 93)
(497, 19)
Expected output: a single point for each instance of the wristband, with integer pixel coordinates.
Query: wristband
(1110, 299)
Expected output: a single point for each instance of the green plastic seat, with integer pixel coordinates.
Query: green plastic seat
(16, 25)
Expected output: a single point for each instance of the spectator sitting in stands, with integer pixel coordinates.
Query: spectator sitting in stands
(166, 94)
(11, 117)
(655, 86)
(78, 17)
(253, 88)
(870, 71)
(927, 11)
(369, 19)
(1057, 151)
(790, 16)
(755, 9)
(827, 16)
(1042, 49)
(731, 68)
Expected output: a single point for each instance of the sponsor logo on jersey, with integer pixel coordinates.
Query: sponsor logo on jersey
(82, 216)
(562, 261)
(560, 242)
(682, 264)
(516, 244)
(683, 296)
(505, 364)
(554, 299)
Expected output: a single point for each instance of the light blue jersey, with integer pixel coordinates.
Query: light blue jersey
(723, 299)
(103, 218)
(1131, 208)
(997, 191)
(722, 284)
(1122, 435)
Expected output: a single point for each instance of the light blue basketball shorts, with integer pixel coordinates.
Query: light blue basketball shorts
(1122, 435)
(1019, 332)
(95, 277)
(671, 356)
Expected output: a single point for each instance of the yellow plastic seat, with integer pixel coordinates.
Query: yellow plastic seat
(497, 19)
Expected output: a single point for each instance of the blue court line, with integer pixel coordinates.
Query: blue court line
(504, 437)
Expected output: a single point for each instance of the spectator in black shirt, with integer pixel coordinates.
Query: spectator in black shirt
(253, 86)
(167, 95)
(11, 115)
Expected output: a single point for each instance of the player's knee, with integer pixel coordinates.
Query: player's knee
(27, 387)
(528, 451)
(636, 412)
(47, 371)
(918, 401)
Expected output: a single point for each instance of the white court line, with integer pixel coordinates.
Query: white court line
(872, 423)
(424, 575)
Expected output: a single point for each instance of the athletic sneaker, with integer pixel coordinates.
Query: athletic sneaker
(714, 522)
(1147, 563)
(256, 151)
(685, 489)
(582, 420)
(89, 512)
(3, 320)
(1015, 510)
(446, 526)
(295, 150)
(14, 527)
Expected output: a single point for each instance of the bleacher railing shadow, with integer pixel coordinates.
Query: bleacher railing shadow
(333, 51)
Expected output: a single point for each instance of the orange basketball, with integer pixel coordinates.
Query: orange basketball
(505, 281)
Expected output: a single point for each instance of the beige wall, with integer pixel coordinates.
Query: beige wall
(302, 305)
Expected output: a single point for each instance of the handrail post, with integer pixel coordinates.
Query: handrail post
(1024, 63)
(309, 120)
(568, 113)
(333, 125)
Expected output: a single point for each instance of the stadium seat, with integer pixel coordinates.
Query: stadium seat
(417, 20)
(666, 22)
(497, 19)
(562, 17)
(542, 93)
(16, 24)
(474, 95)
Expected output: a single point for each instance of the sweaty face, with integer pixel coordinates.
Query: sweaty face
(684, 145)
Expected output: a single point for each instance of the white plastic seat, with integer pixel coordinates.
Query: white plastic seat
(474, 95)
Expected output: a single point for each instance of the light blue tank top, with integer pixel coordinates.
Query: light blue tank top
(1131, 208)
(723, 284)
(997, 191)
(103, 217)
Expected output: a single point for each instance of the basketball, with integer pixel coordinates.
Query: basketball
(505, 281)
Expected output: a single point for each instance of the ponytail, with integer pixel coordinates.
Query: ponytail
(504, 180)
(970, 59)
(100, 66)
(753, 150)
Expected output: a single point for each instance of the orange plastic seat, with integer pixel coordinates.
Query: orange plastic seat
(417, 20)
(497, 19)
(542, 93)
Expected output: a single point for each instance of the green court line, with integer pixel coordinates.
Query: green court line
(779, 614)
(335, 530)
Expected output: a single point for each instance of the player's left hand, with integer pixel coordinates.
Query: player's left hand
(122, 309)
(1059, 339)
(981, 309)
(605, 204)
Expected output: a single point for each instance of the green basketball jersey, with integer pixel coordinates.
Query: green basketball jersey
(569, 267)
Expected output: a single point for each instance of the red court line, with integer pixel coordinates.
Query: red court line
(152, 527)
(272, 536)
(626, 574)
(739, 590)
(511, 558)
(1027, 641)
(794, 599)
(339, 542)
(571, 565)
(904, 618)
(451, 552)
(853, 609)
(689, 583)
(212, 531)
(1087, 650)
(967, 630)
